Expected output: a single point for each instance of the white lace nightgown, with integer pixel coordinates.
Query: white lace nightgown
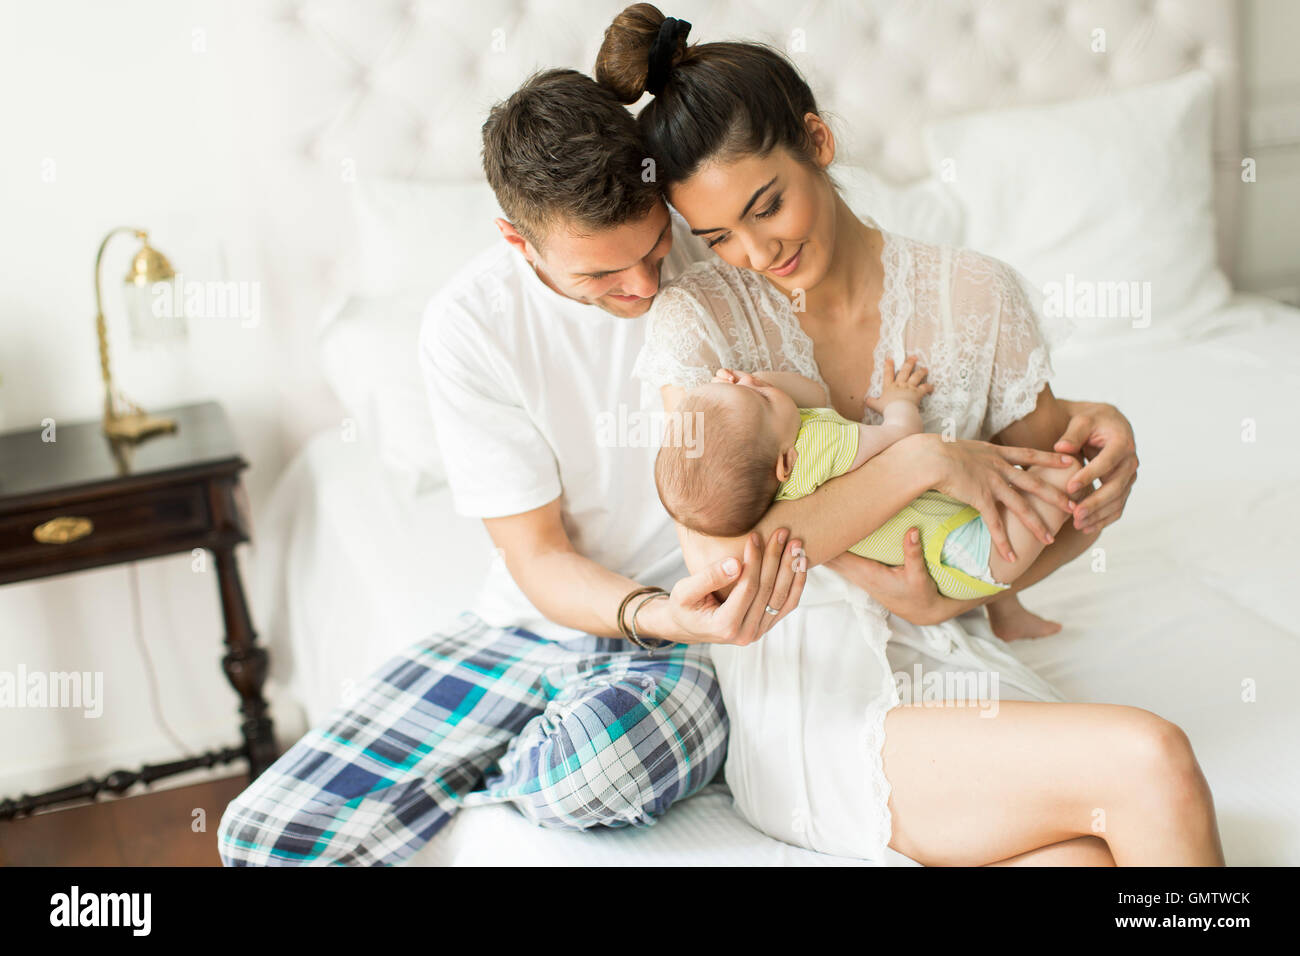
(807, 702)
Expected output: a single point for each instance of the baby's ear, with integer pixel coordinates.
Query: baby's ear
(785, 464)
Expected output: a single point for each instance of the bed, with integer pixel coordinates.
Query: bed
(1191, 617)
(1181, 610)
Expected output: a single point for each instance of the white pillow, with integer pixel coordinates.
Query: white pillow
(414, 236)
(924, 210)
(1104, 204)
(368, 352)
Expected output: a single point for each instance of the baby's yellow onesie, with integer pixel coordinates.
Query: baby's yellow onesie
(954, 538)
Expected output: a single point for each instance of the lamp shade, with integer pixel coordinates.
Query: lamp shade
(149, 266)
(154, 299)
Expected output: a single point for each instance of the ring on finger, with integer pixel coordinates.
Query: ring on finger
(768, 609)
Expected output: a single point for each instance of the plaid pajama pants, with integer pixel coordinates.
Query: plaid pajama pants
(575, 735)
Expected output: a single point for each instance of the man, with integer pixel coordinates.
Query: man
(536, 697)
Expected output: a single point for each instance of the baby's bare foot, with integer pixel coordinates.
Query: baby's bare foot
(1011, 621)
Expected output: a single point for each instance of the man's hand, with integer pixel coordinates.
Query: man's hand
(696, 614)
(1104, 436)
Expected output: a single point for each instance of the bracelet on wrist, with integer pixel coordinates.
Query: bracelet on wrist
(636, 638)
(622, 608)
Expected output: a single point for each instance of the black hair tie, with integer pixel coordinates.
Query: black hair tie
(671, 32)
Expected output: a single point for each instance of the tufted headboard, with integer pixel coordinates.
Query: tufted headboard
(399, 88)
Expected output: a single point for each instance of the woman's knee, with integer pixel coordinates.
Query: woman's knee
(1161, 765)
(623, 755)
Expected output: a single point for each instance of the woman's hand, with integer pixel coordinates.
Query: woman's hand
(1103, 436)
(767, 577)
(985, 475)
(907, 590)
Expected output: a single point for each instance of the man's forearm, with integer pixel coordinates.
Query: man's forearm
(575, 591)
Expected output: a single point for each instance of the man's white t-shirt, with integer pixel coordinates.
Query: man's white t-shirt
(533, 399)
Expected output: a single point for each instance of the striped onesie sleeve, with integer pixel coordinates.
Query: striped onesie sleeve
(827, 444)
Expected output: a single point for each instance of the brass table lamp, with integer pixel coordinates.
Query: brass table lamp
(123, 419)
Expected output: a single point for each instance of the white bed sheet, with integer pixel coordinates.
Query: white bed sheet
(1192, 611)
(704, 830)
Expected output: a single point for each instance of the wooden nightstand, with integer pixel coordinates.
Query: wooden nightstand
(82, 501)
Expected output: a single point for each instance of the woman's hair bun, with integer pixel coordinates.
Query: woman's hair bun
(623, 63)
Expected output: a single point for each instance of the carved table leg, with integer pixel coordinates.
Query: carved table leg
(245, 663)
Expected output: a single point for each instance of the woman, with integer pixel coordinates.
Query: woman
(827, 749)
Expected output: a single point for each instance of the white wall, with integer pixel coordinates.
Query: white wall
(1269, 258)
(132, 113)
(148, 117)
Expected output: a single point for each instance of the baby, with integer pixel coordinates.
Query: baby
(774, 438)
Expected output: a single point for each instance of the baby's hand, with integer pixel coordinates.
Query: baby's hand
(906, 384)
(802, 390)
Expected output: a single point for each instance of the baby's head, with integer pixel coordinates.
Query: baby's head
(724, 480)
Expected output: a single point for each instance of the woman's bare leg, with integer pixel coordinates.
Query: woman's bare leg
(1081, 851)
(968, 790)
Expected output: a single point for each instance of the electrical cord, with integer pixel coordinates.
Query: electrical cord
(154, 700)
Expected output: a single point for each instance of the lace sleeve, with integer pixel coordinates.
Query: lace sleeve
(678, 349)
(1022, 353)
